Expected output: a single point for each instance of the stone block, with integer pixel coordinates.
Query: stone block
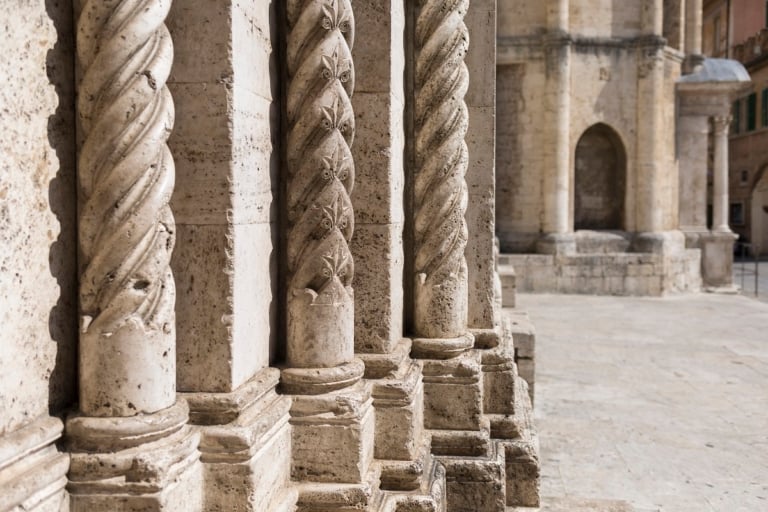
(476, 484)
(508, 285)
(333, 436)
(379, 57)
(453, 395)
(399, 405)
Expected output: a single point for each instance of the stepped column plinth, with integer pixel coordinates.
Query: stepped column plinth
(130, 442)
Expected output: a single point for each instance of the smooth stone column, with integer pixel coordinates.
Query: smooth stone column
(650, 177)
(720, 204)
(693, 22)
(130, 436)
(557, 225)
(717, 247)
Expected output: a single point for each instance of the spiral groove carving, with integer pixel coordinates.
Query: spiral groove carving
(126, 172)
(441, 157)
(320, 132)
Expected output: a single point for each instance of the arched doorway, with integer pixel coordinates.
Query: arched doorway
(759, 213)
(600, 179)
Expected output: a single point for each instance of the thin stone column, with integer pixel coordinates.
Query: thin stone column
(720, 203)
(130, 424)
(320, 173)
(556, 222)
(650, 154)
(693, 22)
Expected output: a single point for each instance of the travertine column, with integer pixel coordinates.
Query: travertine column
(650, 153)
(321, 174)
(452, 373)
(332, 412)
(693, 23)
(720, 204)
(129, 419)
(556, 220)
(440, 191)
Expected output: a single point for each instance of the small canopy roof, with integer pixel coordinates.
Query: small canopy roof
(718, 70)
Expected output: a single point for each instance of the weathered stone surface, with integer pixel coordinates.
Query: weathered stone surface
(38, 247)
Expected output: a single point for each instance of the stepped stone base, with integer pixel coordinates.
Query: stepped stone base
(32, 471)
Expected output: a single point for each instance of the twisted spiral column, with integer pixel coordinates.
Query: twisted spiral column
(440, 191)
(321, 173)
(126, 229)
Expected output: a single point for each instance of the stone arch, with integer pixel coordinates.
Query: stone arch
(600, 179)
(759, 211)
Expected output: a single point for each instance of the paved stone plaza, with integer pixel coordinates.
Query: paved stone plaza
(648, 404)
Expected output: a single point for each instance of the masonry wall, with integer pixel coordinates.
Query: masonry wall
(37, 214)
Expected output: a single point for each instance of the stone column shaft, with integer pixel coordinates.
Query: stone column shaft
(693, 133)
(440, 190)
(720, 203)
(650, 125)
(693, 22)
(126, 175)
(130, 443)
(320, 176)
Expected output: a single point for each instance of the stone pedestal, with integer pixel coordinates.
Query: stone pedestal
(717, 261)
(564, 243)
(32, 470)
(147, 462)
(245, 437)
(333, 444)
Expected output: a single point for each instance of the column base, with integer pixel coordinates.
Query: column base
(557, 244)
(522, 463)
(245, 446)
(316, 381)
(333, 436)
(453, 393)
(441, 348)
(140, 463)
(32, 471)
(476, 484)
(717, 261)
(428, 497)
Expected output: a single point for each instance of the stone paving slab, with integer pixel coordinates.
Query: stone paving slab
(651, 404)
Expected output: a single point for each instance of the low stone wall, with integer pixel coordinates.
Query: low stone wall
(603, 274)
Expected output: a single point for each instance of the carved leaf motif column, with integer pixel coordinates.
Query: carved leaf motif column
(440, 190)
(321, 173)
(127, 293)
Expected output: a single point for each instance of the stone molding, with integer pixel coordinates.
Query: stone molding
(126, 228)
(320, 178)
(441, 161)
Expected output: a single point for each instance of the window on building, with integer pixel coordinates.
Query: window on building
(744, 177)
(737, 214)
(736, 121)
(751, 112)
(764, 108)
